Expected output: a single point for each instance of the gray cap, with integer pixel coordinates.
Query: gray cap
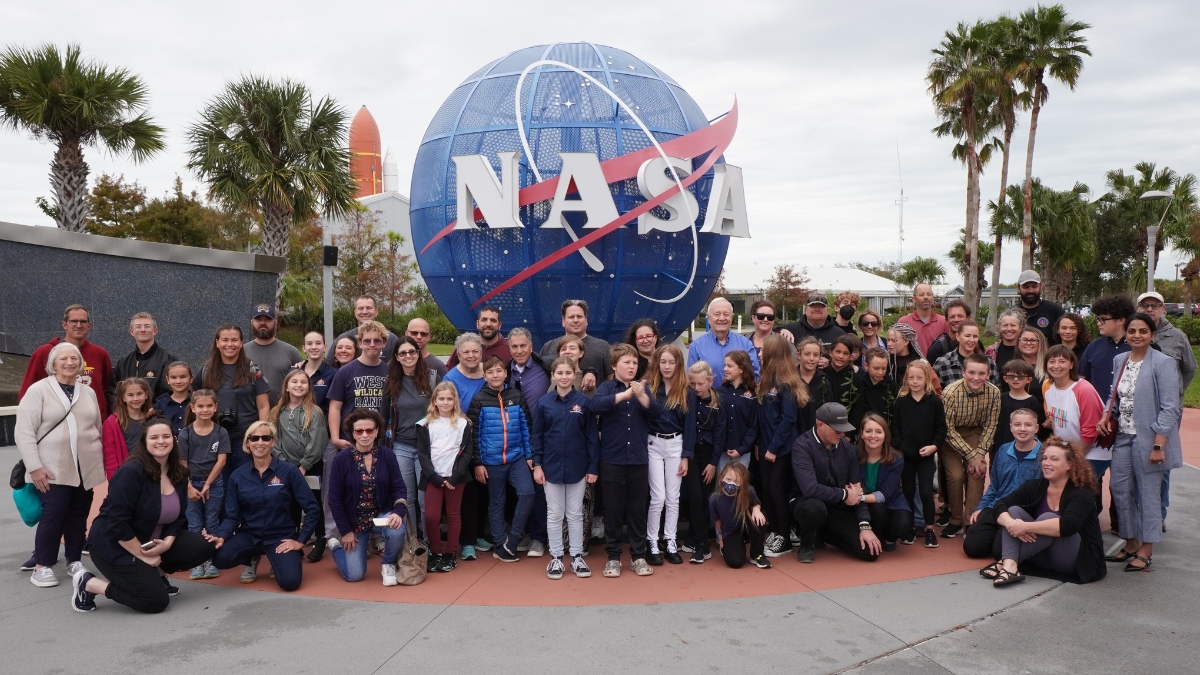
(834, 415)
(1027, 277)
(817, 299)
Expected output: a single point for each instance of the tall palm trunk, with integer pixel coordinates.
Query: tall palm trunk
(68, 181)
(994, 291)
(971, 238)
(277, 222)
(1027, 220)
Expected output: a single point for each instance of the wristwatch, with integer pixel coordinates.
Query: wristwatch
(1157, 446)
(864, 526)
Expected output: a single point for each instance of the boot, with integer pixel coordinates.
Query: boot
(318, 550)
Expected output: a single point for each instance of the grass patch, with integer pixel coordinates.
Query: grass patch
(440, 350)
(1191, 397)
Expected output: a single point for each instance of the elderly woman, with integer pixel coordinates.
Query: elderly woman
(1144, 410)
(1008, 325)
(467, 375)
(58, 436)
(258, 500)
(643, 336)
(902, 348)
(141, 533)
(367, 495)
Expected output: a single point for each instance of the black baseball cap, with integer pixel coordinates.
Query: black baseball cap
(263, 309)
(817, 299)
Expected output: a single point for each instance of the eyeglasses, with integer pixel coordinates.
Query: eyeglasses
(1150, 305)
(869, 324)
(646, 338)
(406, 353)
(418, 333)
(78, 322)
(364, 432)
(371, 341)
(1029, 341)
(1103, 319)
(256, 439)
(1015, 377)
(765, 317)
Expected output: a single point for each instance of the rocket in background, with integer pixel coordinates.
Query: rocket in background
(366, 159)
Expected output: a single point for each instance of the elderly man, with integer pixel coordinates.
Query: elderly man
(419, 330)
(148, 360)
(1038, 312)
(273, 356)
(365, 309)
(720, 340)
(815, 322)
(595, 365)
(97, 370)
(487, 323)
(927, 323)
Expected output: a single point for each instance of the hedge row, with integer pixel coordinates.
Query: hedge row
(308, 319)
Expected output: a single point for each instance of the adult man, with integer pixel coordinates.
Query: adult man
(527, 372)
(815, 322)
(494, 344)
(595, 365)
(148, 360)
(97, 370)
(365, 309)
(829, 493)
(418, 329)
(720, 340)
(972, 413)
(956, 312)
(360, 383)
(927, 323)
(844, 307)
(1040, 313)
(1096, 364)
(273, 356)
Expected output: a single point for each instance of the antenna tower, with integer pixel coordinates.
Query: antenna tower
(900, 202)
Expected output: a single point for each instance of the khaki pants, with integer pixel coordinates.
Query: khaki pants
(959, 483)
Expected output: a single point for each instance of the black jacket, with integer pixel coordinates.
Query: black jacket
(461, 470)
(827, 333)
(152, 366)
(1079, 512)
(130, 511)
(877, 398)
(810, 464)
(916, 424)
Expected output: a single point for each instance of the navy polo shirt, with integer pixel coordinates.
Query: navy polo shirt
(258, 504)
(625, 426)
(564, 440)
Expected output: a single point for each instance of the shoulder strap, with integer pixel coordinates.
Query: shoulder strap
(63, 419)
(1120, 373)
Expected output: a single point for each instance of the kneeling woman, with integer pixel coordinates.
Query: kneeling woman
(1051, 524)
(891, 516)
(367, 496)
(258, 522)
(737, 516)
(141, 532)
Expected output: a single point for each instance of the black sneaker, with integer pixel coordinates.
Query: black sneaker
(434, 562)
(760, 561)
(29, 565)
(909, 539)
(943, 517)
(654, 557)
(81, 600)
(931, 539)
(318, 550)
(951, 531)
(449, 562)
(806, 554)
(699, 555)
(171, 590)
(672, 554)
(503, 554)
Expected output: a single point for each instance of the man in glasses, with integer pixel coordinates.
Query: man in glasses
(487, 324)
(365, 309)
(712, 346)
(97, 371)
(1038, 312)
(360, 383)
(957, 312)
(274, 357)
(418, 329)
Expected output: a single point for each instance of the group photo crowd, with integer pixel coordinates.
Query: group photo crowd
(829, 432)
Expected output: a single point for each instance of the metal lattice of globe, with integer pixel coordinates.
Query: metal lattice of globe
(561, 112)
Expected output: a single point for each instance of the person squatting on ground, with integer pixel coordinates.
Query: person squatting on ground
(738, 518)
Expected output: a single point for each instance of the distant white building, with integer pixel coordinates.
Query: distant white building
(747, 283)
(391, 208)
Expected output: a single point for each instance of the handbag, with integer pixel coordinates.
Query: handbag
(16, 480)
(1106, 441)
(414, 557)
(29, 504)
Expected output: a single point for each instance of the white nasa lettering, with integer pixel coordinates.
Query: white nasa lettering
(653, 180)
(595, 199)
(477, 184)
(727, 203)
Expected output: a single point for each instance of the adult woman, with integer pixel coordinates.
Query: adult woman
(1144, 411)
(763, 313)
(1073, 408)
(141, 533)
(410, 383)
(1051, 524)
(870, 323)
(345, 350)
(467, 375)
(949, 367)
(1008, 326)
(902, 348)
(58, 436)
(258, 521)
(365, 486)
(1071, 332)
(240, 387)
(643, 336)
(1031, 348)
(891, 516)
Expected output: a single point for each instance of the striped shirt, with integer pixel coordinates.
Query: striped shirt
(966, 408)
(949, 368)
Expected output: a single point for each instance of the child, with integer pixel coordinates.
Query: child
(856, 350)
(781, 396)
(174, 405)
(573, 348)
(501, 454)
(875, 391)
(123, 429)
(1017, 376)
(710, 419)
(738, 518)
(918, 428)
(624, 458)
(320, 373)
(301, 437)
(566, 456)
(445, 452)
(669, 444)
(1016, 462)
(203, 446)
(840, 372)
(737, 397)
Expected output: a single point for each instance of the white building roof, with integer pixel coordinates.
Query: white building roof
(825, 278)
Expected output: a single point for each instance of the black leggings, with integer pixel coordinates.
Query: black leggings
(890, 524)
(697, 498)
(917, 474)
(733, 548)
(139, 586)
(776, 476)
(983, 538)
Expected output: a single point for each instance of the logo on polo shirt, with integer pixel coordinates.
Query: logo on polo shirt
(275, 482)
(773, 392)
(320, 382)
(149, 373)
(577, 409)
(747, 394)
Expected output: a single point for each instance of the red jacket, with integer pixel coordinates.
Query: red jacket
(116, 451)
(97, 371)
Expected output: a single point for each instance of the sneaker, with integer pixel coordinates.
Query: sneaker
(889, 546)
(43, 577)
(74, 568)
(389, 575)
(806, 554)
(333, 544)
(504, 555)
(172, 591)
(776, 546)
(536, 549)
(612, 569)
(482, 544)
(271, 573)
(951, 531)
(931, 539)
(581, 569)
(672, 554)
(703, 552)
(199, 572)
(249, 575)
(211, 571)
(523, 545)
(467, 553)
(640, 568)
(687, 547)
(29, 565)
(697, 558)
(555, 569)
(943, 517)
(910, 538)
(81, 600)
(795, 538)
(448, 562)
(653, 556)
(761, 562)
(434, 562)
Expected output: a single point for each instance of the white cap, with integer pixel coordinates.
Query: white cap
(1028, 276)
(1151, 294)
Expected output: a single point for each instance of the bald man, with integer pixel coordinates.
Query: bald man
(418, 329)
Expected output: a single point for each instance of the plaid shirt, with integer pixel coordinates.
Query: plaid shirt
(965, 408)
(949, 368)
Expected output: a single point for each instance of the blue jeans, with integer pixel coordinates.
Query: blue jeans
(1166, 493)
(353, 565)
(499, 476)
(206, 515)
(1099, 466)
(410, 469)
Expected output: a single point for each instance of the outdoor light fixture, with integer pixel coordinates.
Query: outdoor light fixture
(1152, 233)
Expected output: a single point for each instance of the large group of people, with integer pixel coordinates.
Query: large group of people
(829, 430)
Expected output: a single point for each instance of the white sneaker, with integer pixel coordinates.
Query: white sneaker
(524, 544)
(43, 577)
(333, 543)
(536, 549)
(389, 575)
(74, 568)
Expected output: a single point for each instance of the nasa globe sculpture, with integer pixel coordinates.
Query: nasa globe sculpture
(603, 181)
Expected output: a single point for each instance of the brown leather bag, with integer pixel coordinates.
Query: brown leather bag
(411, 568)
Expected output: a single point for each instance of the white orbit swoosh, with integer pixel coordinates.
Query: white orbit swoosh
(537, 175)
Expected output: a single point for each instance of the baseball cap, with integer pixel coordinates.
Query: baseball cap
(1151, 294)
(263, 309)
(817, 299)
(834, 415)
(1029, 276)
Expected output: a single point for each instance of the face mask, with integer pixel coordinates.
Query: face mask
(846, 312)
(730, 489)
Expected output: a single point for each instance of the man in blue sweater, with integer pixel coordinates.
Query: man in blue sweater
(1015, 463)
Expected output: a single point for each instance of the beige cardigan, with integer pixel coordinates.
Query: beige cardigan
(38, 411)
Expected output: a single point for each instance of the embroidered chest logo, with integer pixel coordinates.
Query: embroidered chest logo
(275, 482)
(578, 409)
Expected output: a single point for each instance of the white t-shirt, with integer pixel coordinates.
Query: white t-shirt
(1126, 390)
(444, 442)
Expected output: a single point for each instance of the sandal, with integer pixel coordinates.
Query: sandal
(1005, 578)
(991, 571)
(1121, 556)
(1131, 568)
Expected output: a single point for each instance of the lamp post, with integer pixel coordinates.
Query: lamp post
(1152, 233)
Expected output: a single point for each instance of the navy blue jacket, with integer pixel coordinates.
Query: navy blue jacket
(319, 383)
(1096, 364)
(810, 464)
(777, 421)
(259, 504)
(501, 423)
(131, 511)
(565, 441)
(675, 420)
(624, 426)
(345, 482)
(741, 424)
(887, 485)
(710, 422)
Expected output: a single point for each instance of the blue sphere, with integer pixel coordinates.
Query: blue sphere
(561, 113)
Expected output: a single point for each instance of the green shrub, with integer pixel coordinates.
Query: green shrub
(1190, 325)
(1092, 328)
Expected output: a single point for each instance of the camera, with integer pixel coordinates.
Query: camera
(228, 419)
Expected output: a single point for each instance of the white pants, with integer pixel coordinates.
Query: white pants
(565, 499)
(665, 454)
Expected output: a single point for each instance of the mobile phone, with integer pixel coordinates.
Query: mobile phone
(148, 545)
(380, 522)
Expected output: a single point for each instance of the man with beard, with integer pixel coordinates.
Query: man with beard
(274, 357)
(1040, 313)
(494, 344)
(365, 309)
(957, 312)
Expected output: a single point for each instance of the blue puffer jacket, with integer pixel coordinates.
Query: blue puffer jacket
(501, 423)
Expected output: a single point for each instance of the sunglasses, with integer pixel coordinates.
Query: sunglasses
(1012, 376)
(256, 439)
(765, 317)
(405, 353)
(364, 432)
(869, 324)
(418, 333)
(371, 341)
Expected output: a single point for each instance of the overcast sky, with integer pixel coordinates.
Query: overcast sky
(827, 93)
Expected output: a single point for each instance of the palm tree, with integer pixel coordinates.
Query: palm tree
(986, 256)
(1124, 197)
(1053, 45)
(73, 103)
(921, 271)
(958, 79)
(265, 145)
(1063, 231)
